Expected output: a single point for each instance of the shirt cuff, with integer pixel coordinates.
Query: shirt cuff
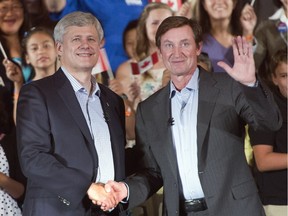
(125, 200)
(253, 84)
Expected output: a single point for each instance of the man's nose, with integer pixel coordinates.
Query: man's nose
(177, 51)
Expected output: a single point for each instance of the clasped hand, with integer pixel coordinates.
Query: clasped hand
(108, 195)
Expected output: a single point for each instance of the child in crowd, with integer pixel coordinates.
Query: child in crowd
(39, 52)
(270, 148)
(12, 181)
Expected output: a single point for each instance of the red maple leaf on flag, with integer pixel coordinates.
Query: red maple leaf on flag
(145, 64)
(170, 4)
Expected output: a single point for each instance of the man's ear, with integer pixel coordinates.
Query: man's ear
(59, 48)
(159, 53)
(199, 48)
(102, 43)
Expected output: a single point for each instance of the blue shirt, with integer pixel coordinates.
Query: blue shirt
(92, 110)
(184, 105)
(217, 52)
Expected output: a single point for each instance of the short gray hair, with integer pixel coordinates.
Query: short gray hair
(79, 19)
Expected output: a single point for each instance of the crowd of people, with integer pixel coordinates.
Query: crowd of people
(77, 143)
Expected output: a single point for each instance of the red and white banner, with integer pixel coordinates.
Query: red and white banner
(144, 65)
(173, 4)
(103, 64)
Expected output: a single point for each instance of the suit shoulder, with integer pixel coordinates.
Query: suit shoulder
(222, 78)
(158, 95)
(108, 92)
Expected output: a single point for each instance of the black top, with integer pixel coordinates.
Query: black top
(273, 184)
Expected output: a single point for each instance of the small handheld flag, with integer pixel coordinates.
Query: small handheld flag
(103, 64)
(145, 64)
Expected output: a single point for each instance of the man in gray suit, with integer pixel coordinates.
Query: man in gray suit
(190, 134)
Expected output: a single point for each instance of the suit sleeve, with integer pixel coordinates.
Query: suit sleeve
(35, 148)
(259, 108)
(148, 179)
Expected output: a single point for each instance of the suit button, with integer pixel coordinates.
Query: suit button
(63, 200)
(66, 202)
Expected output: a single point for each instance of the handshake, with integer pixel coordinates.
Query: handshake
(108, 195)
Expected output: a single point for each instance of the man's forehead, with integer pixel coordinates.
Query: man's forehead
(174, 35)
(81, 30)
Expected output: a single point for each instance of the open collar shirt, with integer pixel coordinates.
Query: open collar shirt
(184, 108)
(92, 110)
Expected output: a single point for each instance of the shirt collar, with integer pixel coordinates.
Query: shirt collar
(78, 87)
(191, 85)
(279, 15)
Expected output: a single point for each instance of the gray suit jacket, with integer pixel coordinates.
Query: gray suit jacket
(224, 107)
(56, 150)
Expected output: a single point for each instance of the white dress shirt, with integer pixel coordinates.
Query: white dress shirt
(92, 110)
(184, 107)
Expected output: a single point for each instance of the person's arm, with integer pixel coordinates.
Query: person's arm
(264, 111)
(12, 187)
(248, 21)
(267, 160)
(14, 73)
(129, 118)
(55, 6)
(117, 87)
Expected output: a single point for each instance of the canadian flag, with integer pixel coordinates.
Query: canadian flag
(173, 4)
(103, 64)
(144, 65)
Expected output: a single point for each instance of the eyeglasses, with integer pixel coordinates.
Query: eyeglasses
(5, 8)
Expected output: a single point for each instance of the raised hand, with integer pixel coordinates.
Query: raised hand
(13, 71)
(248, 19)
(134, 90)
(116, 86)
(243, 69)
(186, 10)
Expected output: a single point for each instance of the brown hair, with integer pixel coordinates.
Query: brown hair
(23, 28)
(279, 57)
(234, 25)
(142, 46)
(177, 22)
(29, 34)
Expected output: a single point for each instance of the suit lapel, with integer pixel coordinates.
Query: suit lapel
(162, 113)
(208, 94)
(67, 94)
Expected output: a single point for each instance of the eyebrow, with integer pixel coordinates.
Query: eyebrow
(181, 41)
(42, 42)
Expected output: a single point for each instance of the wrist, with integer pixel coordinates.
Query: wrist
(252, 84)
(249, 37)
